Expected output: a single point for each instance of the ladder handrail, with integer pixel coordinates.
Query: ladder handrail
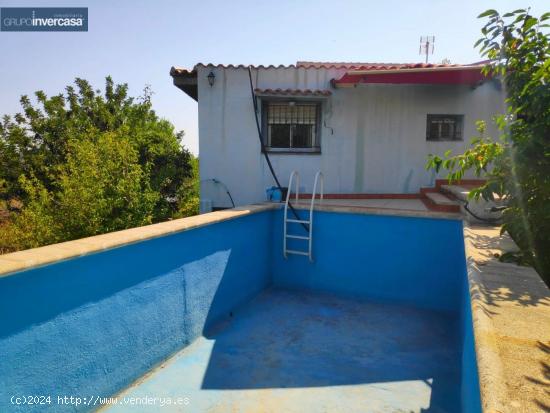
(289, 190)
(293, 174)
(295, 179)
(318, 175)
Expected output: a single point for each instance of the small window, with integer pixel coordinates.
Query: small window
(291, 126)
(444, 127)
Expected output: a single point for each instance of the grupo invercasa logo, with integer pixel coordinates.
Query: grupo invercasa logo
(44, 19)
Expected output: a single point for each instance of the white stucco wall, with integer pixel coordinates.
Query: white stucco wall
(378, 145)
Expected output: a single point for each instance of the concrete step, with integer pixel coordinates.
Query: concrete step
(436, 201)
(440, 199)
(425, 190)
(457, 191)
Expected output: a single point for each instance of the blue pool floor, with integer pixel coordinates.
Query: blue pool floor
(303, 352)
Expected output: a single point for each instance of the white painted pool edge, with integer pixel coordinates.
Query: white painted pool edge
(36, 257)
(489, 364)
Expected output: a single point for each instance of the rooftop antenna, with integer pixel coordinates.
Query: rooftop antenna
(426, 46)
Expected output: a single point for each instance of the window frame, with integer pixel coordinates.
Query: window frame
(459, 118)
(265, 129)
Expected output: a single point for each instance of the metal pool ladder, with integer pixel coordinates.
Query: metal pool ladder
(295, 178)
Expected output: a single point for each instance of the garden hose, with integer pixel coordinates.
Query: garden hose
(255, 104)
(217, 181)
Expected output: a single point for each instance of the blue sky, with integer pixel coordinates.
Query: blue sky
(138, 41)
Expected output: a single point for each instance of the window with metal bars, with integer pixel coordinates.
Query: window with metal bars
(444, 127)
(290, 126)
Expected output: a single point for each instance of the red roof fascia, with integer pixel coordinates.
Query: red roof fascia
(463, 76)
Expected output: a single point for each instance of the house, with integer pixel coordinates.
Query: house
(368, 127)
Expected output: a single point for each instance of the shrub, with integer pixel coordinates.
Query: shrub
(517, 165)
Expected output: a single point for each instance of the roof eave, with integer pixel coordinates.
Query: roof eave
(186, 81)
(415, 70)
(293, 93)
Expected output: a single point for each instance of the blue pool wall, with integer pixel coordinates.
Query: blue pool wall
(99, 322)
(96, 323)
(406, 260)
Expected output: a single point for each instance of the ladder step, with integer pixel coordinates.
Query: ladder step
(297, 252)
(298, 221)
(296, 236)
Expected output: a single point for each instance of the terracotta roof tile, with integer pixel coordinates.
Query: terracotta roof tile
(378, 66)
(344, 65)
(177, 71)
(293, 92)
(180, 71)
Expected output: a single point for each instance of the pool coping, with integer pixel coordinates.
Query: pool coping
(35, 257)
(510, 307)
(401, 212)
(15, 262)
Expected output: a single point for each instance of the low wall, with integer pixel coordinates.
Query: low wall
(98, 322)
(510, 307)
(470, 392)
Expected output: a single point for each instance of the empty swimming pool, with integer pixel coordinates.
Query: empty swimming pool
(215, 319)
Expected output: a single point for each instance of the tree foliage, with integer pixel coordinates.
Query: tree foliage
(517, 165)
(84, 163)
(189, 192)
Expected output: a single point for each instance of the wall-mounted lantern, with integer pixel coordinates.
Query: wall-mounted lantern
(211, 78)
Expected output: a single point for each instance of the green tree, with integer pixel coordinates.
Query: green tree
(36, 141)
(517, 165)
(83, 163)
(104, 175)
(189, 192)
